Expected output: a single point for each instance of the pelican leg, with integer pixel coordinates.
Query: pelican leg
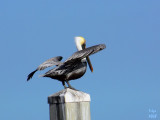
(64, 84)
(69, 85)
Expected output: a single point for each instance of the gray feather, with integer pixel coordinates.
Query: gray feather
(86, 52)
(48, 63)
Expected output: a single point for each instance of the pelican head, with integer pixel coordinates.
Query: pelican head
(81, 45)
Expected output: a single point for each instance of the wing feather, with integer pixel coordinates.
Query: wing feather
(86, 52)
(48, 63)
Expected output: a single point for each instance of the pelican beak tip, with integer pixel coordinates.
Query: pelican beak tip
(92, 69)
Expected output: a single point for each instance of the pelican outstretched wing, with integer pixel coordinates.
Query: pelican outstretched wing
(48, 63)
(84, 53)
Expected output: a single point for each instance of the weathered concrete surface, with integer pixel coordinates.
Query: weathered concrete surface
(68, 95)
(77, 111)
(69, 104)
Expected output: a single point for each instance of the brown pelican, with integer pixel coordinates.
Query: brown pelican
(74, 67)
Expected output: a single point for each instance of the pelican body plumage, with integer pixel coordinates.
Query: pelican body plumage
(74, 67)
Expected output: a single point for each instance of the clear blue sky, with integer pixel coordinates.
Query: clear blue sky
(125, 84)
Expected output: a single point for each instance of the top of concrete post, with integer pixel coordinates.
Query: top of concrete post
(68, 95)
